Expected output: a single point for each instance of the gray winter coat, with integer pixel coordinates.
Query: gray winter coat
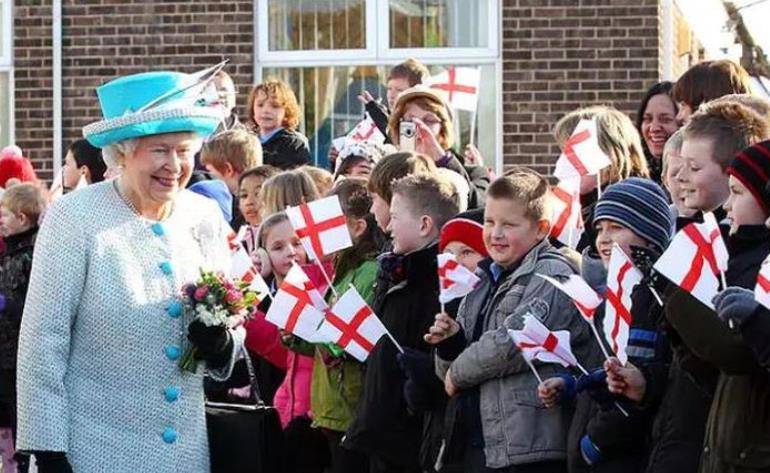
(516, 428)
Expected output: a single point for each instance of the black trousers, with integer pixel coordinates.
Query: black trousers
(475, 462)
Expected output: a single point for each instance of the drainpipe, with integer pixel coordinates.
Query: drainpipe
(57, 88)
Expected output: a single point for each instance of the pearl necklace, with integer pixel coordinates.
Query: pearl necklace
(133, 208)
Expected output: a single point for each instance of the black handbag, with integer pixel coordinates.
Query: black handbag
(245, 438)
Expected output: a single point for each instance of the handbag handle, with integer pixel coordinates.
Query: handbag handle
(255, 392)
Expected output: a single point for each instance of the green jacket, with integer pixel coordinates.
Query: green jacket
(738, 428)
(335, 390)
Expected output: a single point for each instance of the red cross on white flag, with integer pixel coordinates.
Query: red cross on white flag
(459, 85)
(242, 268)
(321, 226)
(581, 154)
(455, 280)
(352, 325)
(622, 276)
(585, 299)
(366, 130)
(536, 342)
(762, 289)
(693, 260)
(297, 306)
(566, 218)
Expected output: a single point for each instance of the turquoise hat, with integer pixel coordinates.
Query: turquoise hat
(152, 103)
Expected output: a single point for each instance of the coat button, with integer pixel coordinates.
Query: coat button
(171, 393)
(172, 352)
(742, 455)
(157, 229)
(705, 449)
(166, 268)
(174, 310)
(169, 435)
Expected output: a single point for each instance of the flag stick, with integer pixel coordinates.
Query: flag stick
(656, 295)
(328, 281)
(473, 126)
(598, 339)
(598, 185)
(620, 408)
(532, 367)
(724, 280)
(394, 341)
(580, 367)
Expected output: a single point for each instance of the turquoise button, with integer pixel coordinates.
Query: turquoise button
(173, 352)
(166, 268)
(157, 229)
(171, 393)
(169, 435)
(175, 310)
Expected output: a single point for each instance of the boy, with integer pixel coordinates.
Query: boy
(672, 164)
(405, 299)
(20, 208)
(226, 156)
(714, 135)
(506, 431)
(634, 214)
(390, 168)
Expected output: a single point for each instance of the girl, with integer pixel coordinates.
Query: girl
(249, 186)
(274, 113)
(620, 141)
(707, 81)
(285, 189)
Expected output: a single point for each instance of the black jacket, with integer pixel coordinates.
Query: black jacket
(15, 266)
(286, 150)
(406, 300)
(379, 115)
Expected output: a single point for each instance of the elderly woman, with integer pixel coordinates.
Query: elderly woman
(435, 136)
(99, 385)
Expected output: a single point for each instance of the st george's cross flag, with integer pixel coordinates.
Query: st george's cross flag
(352, 325)
(762, 289)
(585, 299)
(455, 280)
(297, 306)
(321, 226)
(242, 268)
(567, 219)
(536, 342)
(366, 131)
(693, 260)
(622, 276)
(581, 154)
(459, 86)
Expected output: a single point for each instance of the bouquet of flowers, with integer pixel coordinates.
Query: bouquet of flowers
(216, 300)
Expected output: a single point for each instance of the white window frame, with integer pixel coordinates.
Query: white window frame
(6, 64)
(378, 52)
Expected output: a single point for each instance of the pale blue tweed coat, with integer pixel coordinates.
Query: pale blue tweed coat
(102, 330)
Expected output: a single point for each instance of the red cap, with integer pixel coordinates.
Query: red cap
(466, 231)
(14, 165)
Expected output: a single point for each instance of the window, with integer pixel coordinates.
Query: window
(6, 74)
(331, 50)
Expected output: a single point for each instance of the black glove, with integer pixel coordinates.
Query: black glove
(52, 462)
(422, 387)
(736, 304)
(214, 344)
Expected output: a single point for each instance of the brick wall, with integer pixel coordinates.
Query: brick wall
(560, 54)
(103, 39)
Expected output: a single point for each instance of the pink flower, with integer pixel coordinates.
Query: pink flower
(233, 295)
(201, 293)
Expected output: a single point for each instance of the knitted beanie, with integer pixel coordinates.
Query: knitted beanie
(639, 205)
(467, 228)
(752, 167)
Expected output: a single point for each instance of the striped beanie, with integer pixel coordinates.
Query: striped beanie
(752, 167)
(639, 205)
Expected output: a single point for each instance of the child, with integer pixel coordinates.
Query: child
(405, 298)
(463, 237)
(713, 136)
(274, 112)
(21, 207)
(619, 139)
(739, 420)
(249, 187)
(83, 162)
(287, 188)
(707, 81)
(633, 214)
(15, 166)
(226, 156)
(476, 356)
(672, 164)
(358, 158)
(323, 179)
(392, 167)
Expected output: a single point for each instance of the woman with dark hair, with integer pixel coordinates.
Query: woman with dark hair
(706, 81)
(656, 122)
(83, 162)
